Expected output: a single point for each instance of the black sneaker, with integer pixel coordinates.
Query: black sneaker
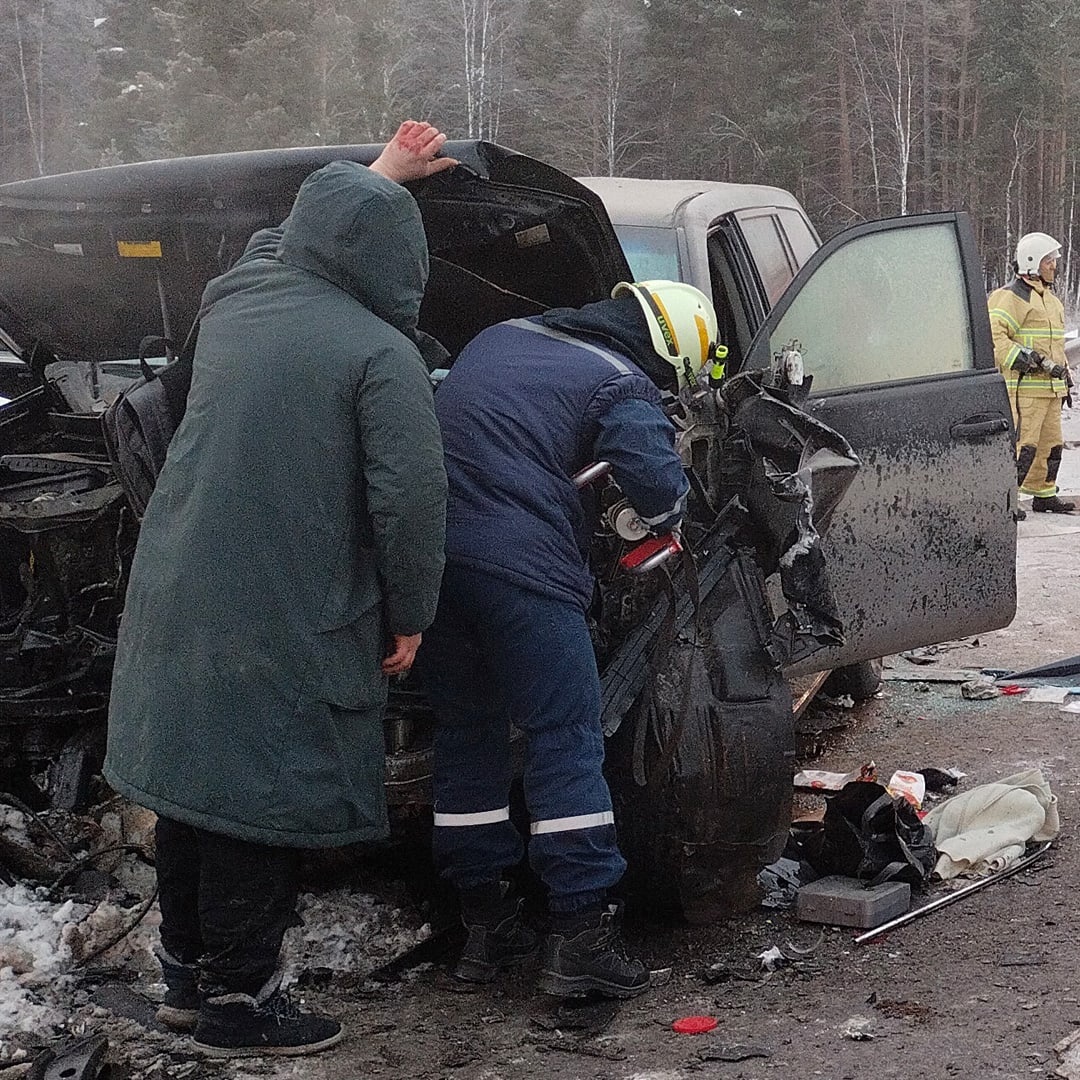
(1053, 505)
(585, 953)
(180, 1009)
(238, 1025)
(498, 936)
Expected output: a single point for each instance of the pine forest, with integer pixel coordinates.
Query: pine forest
(863, 109)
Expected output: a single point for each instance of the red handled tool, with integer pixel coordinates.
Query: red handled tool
(651, 554)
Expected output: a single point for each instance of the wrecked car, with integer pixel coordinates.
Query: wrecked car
(841, 355)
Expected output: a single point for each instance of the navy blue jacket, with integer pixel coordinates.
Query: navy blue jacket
(524, 407)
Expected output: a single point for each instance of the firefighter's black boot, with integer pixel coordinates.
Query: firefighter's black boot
(498, 937)
(268, 1023)
(585, 954)
(1053, 505)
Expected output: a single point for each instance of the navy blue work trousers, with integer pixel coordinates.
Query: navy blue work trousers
(499, 655)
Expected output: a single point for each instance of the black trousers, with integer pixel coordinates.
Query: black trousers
(225, 905)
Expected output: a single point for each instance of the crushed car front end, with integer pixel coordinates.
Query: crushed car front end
(91, 264)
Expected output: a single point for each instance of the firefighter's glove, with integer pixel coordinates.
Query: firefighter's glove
(1026, 362)
(1058, 371)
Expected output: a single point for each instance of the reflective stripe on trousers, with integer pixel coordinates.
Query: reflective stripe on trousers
(501, 657)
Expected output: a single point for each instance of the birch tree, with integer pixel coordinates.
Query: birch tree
(881, 57)
(599, 103)
(480, 30)
(29, 49)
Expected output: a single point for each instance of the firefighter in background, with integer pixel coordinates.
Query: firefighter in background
(1028, 324)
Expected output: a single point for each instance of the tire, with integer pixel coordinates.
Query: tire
(859, 681)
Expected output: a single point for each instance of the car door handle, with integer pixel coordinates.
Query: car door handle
(979, 429)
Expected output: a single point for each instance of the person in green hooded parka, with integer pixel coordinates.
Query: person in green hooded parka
(288, 562)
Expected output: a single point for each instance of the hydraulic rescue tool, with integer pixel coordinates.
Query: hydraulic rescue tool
(649, 552)
(1028, 361)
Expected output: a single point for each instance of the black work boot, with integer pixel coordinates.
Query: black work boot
(180, 1009)
(239, 1025)
(1053, 505)
(498, 935)
(585, 953)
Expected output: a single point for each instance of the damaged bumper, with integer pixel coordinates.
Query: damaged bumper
(696, 707)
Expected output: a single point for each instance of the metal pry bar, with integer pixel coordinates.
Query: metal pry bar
(943, 901)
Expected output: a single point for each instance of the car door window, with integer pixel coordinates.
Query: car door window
(886, 306)
(801, 238)
(771, 258)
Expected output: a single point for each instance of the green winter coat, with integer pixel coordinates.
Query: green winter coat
(298, 520)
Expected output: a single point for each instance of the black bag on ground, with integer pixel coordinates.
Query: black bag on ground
(871, 835)
(140, 423)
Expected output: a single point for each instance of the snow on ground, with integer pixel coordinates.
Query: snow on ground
(43, 942)
(32, 948)
(349, 931)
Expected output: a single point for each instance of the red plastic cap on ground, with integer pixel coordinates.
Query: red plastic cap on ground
(694, 1025)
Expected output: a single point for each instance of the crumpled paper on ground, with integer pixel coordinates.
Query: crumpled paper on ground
(907, 785)
(821, 780)
(986, 829)
(980, 689)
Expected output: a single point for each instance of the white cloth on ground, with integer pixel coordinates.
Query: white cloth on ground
(986, 829)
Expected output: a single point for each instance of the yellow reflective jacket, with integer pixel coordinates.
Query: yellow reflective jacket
(1027, 315)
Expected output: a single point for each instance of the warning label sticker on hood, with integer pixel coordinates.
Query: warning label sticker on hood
(139, 249)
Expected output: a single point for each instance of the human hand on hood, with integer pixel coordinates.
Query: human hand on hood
(410, 154)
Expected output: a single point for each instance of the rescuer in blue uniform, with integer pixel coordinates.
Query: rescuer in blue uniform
(526, 405)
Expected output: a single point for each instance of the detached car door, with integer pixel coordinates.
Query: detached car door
(891, 321)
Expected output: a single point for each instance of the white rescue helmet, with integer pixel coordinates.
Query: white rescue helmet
(682, 324)
(1031, 249)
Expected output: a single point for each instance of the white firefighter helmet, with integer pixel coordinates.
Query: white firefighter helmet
(1031, 249)
(681, 321)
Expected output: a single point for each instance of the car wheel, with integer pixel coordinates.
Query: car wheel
(859, 681)
(702, 796)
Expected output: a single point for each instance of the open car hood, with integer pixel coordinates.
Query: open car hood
(92, 262)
